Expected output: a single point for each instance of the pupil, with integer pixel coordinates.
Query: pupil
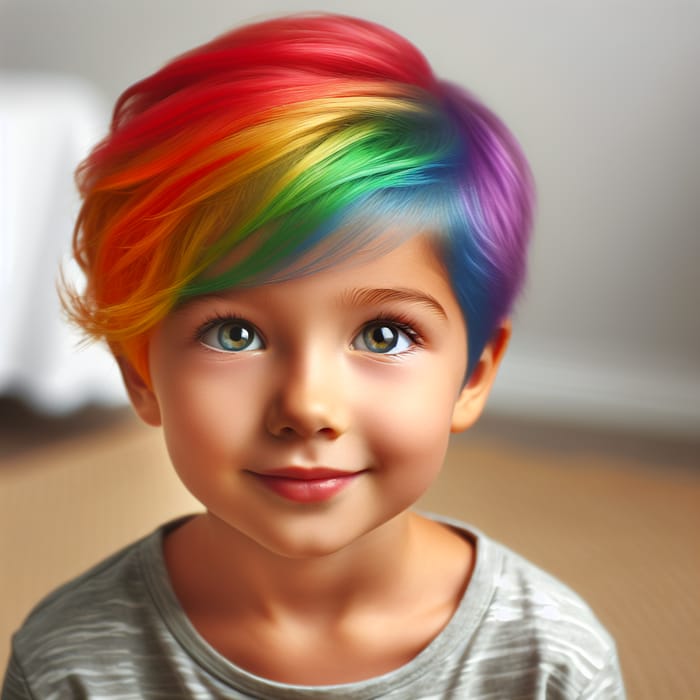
(237, 336)
(382, 338)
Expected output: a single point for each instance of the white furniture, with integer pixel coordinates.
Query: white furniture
(47, 125)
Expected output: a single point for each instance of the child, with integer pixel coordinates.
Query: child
(303, 249)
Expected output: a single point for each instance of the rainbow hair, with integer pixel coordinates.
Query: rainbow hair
(283, 147)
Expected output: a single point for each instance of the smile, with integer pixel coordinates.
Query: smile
(306, 485)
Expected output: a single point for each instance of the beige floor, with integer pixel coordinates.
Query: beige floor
(616, 517)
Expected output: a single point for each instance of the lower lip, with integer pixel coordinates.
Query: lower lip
(306, 490)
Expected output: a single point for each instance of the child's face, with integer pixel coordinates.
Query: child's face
(358, 369)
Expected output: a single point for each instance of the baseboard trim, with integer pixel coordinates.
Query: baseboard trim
(631, 398)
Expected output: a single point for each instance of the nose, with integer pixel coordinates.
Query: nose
(309, 400)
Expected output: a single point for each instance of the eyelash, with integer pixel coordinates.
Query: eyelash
(216, 319)
(401, 321)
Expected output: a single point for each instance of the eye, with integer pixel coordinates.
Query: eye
(231, 336)
(384, 338)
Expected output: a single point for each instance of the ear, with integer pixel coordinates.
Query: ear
(142, 397)
(472, 398)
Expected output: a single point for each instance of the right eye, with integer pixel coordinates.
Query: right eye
(232, 336)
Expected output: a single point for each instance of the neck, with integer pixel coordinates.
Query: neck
(204, 559)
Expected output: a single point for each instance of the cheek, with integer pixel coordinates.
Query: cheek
(416, 443)
(205, 421)
(412, 432)
(416, 403)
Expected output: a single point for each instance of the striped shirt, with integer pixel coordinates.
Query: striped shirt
(118, 631)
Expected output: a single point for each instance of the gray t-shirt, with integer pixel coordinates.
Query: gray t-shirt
(118, 631)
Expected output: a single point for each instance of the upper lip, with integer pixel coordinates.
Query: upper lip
(307, 473)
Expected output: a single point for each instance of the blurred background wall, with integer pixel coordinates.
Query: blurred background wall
(605, 98)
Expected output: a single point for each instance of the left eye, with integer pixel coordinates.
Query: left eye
(383, 338)
(232, 336)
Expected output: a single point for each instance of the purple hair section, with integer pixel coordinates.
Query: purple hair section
(486, 246)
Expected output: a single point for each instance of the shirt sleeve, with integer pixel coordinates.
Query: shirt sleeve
(15, 686)
(607, 683)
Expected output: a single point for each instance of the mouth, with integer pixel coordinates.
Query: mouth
(306, 485)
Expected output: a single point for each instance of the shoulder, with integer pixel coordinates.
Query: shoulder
(89, 621)
(525, 592)
(106, 584)
(538, 628)
(545, 624)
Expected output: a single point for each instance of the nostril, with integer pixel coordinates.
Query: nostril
(329, 433)
(289, 432)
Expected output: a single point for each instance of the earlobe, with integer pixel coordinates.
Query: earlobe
(472, 399)
(142, 397)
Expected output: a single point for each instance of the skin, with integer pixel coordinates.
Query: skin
(354, 585)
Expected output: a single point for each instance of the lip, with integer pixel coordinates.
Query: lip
(307, 473)
(306, 485)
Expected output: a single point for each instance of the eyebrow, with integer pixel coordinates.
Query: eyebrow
(195, 301)
(371, 296)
